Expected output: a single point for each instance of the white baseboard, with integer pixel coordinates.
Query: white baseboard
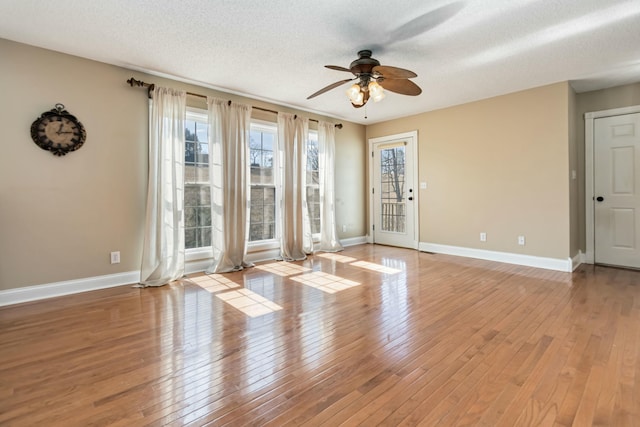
(67, 287)
(506, 257)
(352, 241)
(577, 260)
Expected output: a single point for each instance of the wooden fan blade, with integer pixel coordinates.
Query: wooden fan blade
(393, 72)
(338, 68)
(401, 86)
(328, 88)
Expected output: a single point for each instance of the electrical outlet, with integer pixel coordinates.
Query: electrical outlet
(483, 237)
(344, 228)
(521, 240)
(115, 257)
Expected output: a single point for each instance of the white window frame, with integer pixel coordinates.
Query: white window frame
(204, 253)
(262, 245)
(315, 236)
(200, 115)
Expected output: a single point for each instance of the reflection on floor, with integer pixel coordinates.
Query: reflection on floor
(254, 305)
(375, 267)
(337, 257)
(325, 282)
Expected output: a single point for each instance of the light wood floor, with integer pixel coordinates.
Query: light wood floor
(408, 338)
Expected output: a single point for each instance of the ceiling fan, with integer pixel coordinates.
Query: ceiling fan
(372, 78)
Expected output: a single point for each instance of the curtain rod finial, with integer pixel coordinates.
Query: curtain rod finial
(133, 82)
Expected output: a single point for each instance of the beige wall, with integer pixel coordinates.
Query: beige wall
(598, 100)
(498, 166)
(60, 217)
(501, 166)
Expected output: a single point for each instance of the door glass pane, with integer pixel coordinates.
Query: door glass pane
(392, 185)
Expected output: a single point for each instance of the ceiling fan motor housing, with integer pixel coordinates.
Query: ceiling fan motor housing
(364, 64)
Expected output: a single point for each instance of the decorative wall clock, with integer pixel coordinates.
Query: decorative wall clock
(58, 131)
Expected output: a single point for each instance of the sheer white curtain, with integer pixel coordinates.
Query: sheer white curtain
(230, 184)
(295, 241)
(329, 241)
(163, 248)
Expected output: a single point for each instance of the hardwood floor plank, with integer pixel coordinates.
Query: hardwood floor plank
(417, 339)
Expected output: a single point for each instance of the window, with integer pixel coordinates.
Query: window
(313, 182)
(263, 184)
(263, 211)
(197, 197)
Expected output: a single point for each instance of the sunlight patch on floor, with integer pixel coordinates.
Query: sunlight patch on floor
(283, 269)
(248, 302)
(325, 282)
(214, 283)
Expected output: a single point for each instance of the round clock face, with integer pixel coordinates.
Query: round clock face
(58, 131)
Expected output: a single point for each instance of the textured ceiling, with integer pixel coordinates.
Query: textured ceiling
(276, 50)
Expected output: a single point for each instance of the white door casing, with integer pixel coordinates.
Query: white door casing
(589, 199)
(393, 190)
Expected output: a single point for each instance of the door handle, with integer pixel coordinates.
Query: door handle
(410, 198)
(600, 198)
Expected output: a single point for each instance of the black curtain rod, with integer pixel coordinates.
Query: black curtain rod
(139, 83)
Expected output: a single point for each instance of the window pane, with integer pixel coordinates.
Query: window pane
(202, 174)
(204, 216)
(393, 189)
(255, 232)
(205, 195)
(202, 133)
(190, 130)
(190, 217)
(205, 237)
(202, 153)
(257, 211)
(197, 199)
(190, 241)
(313, 204)
(267, 141)
(313, 181)
(262, 213)
(269, 194)
(191, 195)
(189, 152)
(263, 192)
(269, 231)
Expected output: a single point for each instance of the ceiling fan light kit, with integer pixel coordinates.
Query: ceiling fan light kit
(373, 79)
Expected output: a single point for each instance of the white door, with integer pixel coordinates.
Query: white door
(617, 190)
(393, 194)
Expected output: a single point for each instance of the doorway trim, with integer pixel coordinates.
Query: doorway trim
(589, 171)
(413, 135)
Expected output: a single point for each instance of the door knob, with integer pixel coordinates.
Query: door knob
(410, 198)
(599, 198)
